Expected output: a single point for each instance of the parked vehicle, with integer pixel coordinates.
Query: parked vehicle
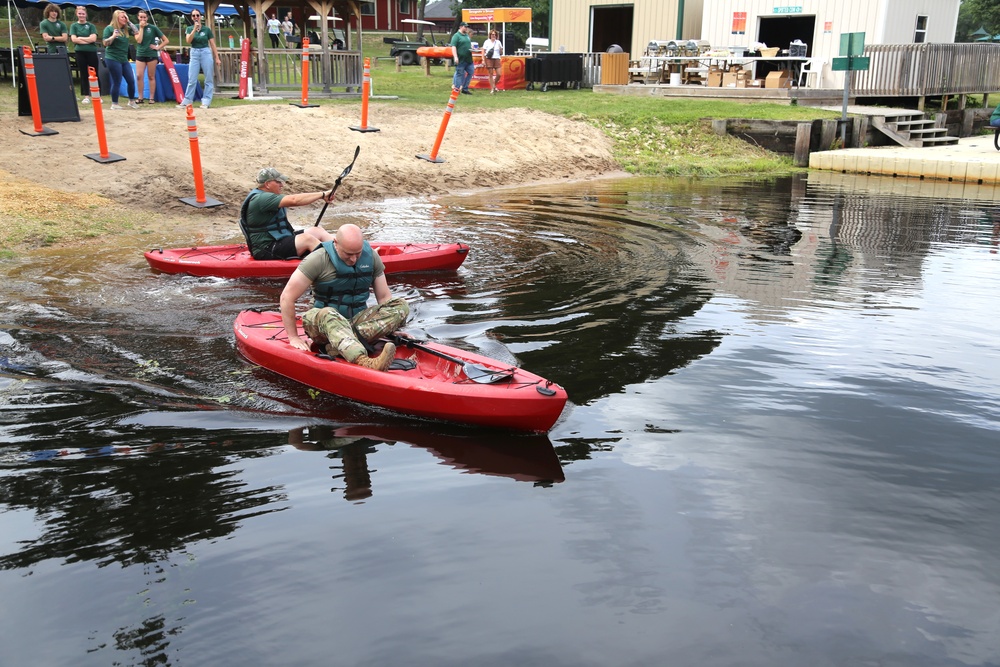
(406, 49)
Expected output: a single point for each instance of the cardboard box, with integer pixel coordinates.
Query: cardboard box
(779, 79)
(715, 78)
(755, 83)
(735, 79)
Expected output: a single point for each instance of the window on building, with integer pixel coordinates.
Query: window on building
(404, 6)
(920, 33)
(368, 9)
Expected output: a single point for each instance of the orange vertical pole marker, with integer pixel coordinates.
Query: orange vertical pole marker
(199, 199)
(366, 86)
(444, 126)
(36, 110)
(102, 141)
(304, 104)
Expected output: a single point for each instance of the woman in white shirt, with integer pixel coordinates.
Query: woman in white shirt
(492, 52)
(273, 30)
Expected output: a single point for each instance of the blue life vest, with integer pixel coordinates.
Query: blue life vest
(349, 291)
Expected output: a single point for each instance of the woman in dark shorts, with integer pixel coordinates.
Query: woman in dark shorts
(149, 40)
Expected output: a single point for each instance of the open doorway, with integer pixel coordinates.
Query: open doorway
(610, 25)
(780, 31)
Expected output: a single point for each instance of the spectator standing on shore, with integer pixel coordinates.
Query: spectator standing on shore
(204, 58)
(149, 40)
(461, 51)
(53, 30)
(83, 34)
(492, 53)
(288, 27)
(116, 57)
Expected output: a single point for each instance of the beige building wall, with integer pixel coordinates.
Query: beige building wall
(882, 21)
(901, 20)
(651, 19)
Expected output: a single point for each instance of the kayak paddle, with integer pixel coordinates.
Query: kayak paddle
(336, 184)
(475, 372)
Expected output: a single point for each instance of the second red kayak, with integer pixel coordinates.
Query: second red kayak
(234, 261)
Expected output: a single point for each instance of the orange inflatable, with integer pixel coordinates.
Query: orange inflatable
(434, 52)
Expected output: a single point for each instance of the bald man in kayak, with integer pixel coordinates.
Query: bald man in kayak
(343, 272)
(264, 222)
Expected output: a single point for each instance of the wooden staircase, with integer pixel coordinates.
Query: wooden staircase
(914, 130)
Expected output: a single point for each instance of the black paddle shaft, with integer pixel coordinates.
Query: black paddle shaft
(336, 184)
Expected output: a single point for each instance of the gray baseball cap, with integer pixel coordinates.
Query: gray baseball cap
(270, 174)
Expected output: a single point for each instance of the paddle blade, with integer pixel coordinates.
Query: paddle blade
(483, 375)
(347, 169)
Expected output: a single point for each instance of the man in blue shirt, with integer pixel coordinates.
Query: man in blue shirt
(461, 51)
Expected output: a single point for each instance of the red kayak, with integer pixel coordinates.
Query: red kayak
(432, 380)
(234, 261)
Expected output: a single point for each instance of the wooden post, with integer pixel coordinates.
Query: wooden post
(803, 136)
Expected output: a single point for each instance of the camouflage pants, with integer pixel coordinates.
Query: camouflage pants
(326, 325)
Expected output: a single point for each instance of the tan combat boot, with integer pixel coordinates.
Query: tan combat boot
(379, 363)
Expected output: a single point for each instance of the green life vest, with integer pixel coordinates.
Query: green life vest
(277, 227)
(349, 291)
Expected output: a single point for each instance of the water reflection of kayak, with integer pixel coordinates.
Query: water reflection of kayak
(525, 458)
(430, 386)
(234, 261)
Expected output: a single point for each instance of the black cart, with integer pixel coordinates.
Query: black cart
(554, 69)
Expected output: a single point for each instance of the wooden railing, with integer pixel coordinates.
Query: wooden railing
(919, 70)
(284, 69)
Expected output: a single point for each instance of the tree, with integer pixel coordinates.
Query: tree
(975, 13)
(539, 14)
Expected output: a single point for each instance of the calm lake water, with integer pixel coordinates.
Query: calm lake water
(781, 449)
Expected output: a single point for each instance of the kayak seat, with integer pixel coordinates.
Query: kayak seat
(402, 365)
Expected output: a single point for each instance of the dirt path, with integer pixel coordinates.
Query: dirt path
(311, 146)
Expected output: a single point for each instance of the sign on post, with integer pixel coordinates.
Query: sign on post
(851, 63)
(852, 43)
(852, 46)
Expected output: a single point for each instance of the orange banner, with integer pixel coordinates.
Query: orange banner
(511, 75)
(498, 15)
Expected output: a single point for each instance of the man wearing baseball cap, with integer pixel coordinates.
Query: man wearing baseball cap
(265, 225)
(461, 52)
